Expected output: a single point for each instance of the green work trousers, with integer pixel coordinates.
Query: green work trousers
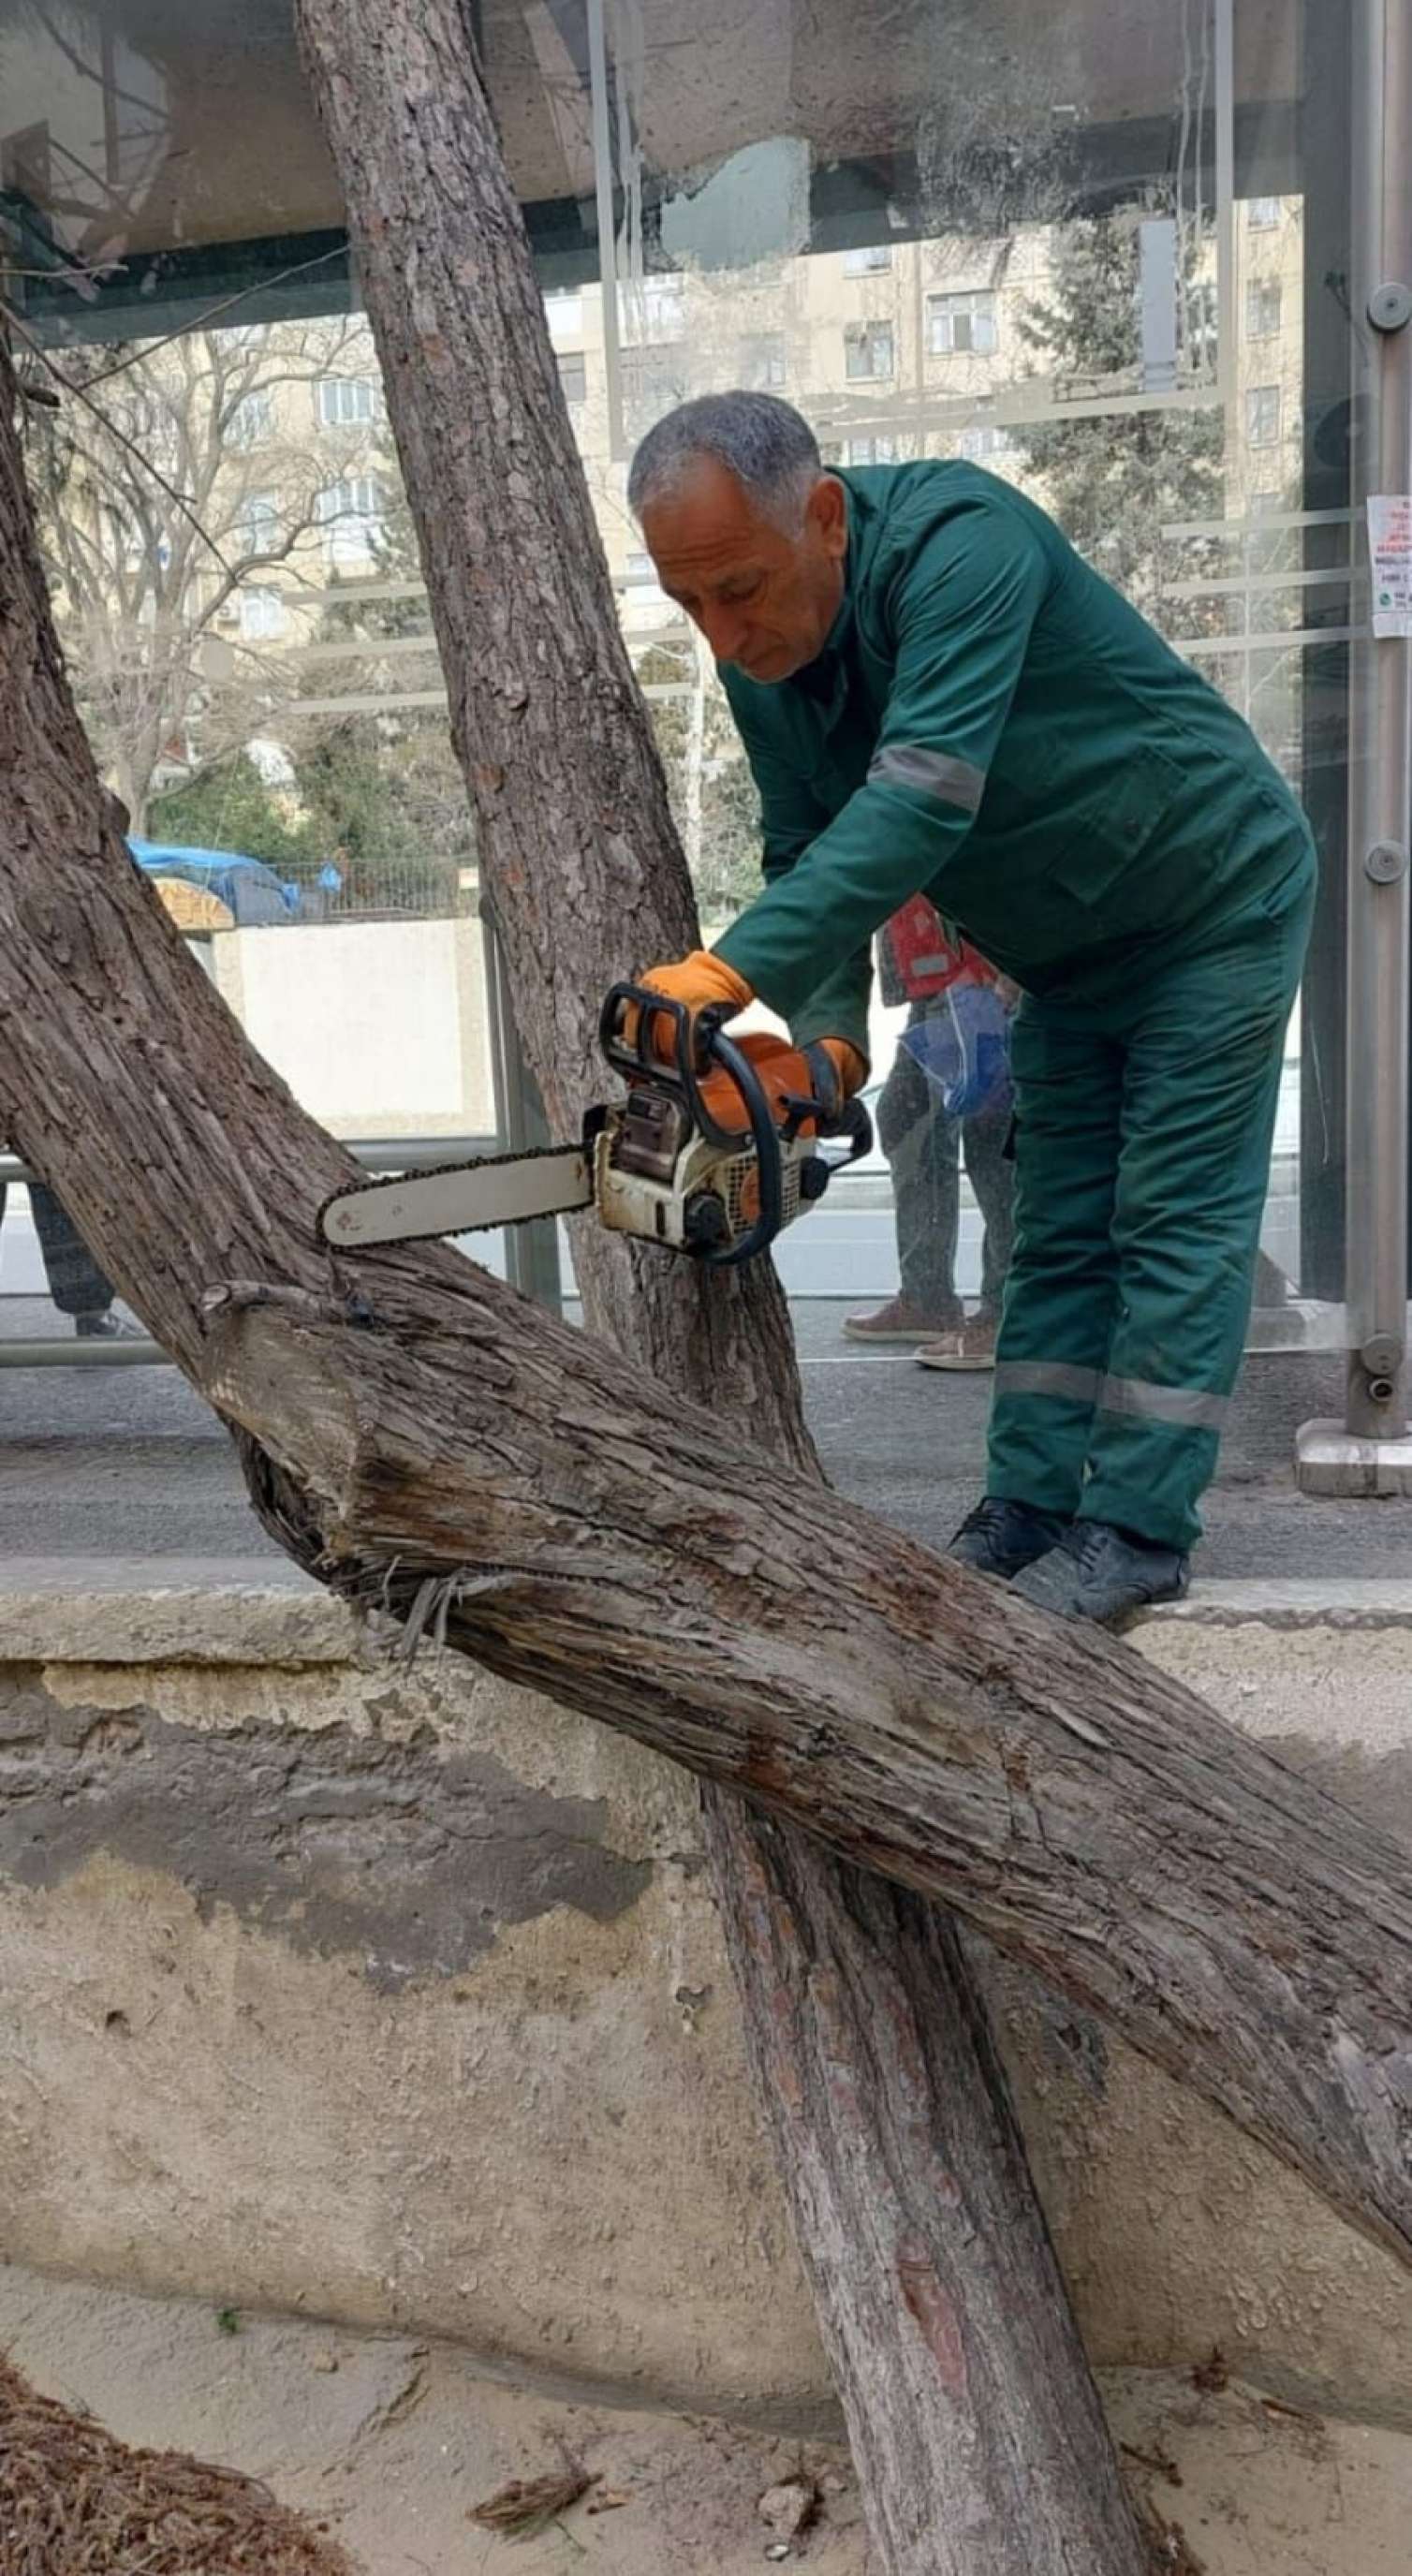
(1144, 1127)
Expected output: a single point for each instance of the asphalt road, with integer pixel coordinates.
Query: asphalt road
(127, 1463)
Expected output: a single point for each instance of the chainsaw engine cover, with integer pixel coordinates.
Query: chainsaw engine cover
(655, 1177)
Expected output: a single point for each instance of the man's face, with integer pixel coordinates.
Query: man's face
(763, 599)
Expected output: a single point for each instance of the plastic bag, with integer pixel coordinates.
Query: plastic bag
(963, 1047)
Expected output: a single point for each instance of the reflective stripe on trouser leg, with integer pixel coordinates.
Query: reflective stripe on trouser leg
(1204, 1050)
(1061, 1294)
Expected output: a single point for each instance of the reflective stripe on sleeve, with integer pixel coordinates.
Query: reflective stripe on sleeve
(936, 773)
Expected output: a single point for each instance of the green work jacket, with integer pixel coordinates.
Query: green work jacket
(991, 723)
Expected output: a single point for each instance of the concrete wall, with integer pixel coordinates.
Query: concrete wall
(400, 1998)
(378, 1027)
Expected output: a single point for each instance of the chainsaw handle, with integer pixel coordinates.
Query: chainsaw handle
(769, 1155)
(697, 1043)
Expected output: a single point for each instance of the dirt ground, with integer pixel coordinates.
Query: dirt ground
(392, 2443)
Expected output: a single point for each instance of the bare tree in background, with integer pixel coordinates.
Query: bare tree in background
(186, 493)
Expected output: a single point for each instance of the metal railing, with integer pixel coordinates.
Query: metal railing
(383, 1154)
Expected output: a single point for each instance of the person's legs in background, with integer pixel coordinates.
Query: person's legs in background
(922, 1148)
(76, 1284)
(984, 1145)
(990, 1169)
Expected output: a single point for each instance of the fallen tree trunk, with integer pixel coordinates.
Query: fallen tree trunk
(577, 1527)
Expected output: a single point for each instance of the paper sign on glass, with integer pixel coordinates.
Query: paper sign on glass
(1390, 553)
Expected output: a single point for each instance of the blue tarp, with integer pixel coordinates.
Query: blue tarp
(250, 891)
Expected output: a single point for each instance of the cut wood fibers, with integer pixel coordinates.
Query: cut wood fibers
(74, 2501)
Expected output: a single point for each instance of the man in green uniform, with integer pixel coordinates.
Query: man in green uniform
(937, 694)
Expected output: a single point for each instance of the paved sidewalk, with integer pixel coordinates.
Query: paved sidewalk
(128, 1462)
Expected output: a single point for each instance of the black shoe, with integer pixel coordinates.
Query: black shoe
(1101, 1573)
(102, 1325)
(998, 1538)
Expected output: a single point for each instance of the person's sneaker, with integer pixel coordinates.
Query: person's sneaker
(970, 1346)
(899, 1321)
(999, 1538)
(1101, 1573)
(102, 1325)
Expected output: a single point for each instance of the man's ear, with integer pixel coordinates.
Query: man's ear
(826, 515)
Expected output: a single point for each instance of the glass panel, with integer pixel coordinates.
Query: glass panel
(1044, 271)
(233, 564)
(1087, 265)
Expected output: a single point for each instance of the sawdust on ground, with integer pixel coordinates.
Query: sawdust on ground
(73, 2499)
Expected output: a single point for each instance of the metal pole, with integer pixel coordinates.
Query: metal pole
(531, 1251)
(607, 240)
(1380, 740)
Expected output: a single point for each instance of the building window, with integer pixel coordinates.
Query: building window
(762, 362)
(262, 615)
(257, 523)
(251, 422)
(1263, 299)
(961, 325)
(350, 514)
(870, 451)
(1267, 504)
(654, 381)
(573, 375)
(868, 263)
(981, 442)
(1262, 415)
(564, 315)
(867, 350)
(654, 308)
(345, 402)
(1264, 214)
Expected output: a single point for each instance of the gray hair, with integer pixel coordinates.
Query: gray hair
(763, 442)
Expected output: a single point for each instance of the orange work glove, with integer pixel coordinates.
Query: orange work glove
(697, 980)
(787, 1073)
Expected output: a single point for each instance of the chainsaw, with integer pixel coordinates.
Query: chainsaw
(658, 1165)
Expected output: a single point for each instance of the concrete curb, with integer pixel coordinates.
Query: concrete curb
(169, 1610)
(193, 1610)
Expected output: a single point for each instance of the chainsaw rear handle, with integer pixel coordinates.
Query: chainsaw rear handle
(634, 1059)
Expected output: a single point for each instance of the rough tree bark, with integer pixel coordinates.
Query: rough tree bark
(973, 2416)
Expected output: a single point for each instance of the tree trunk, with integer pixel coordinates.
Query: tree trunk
(975, 2423)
